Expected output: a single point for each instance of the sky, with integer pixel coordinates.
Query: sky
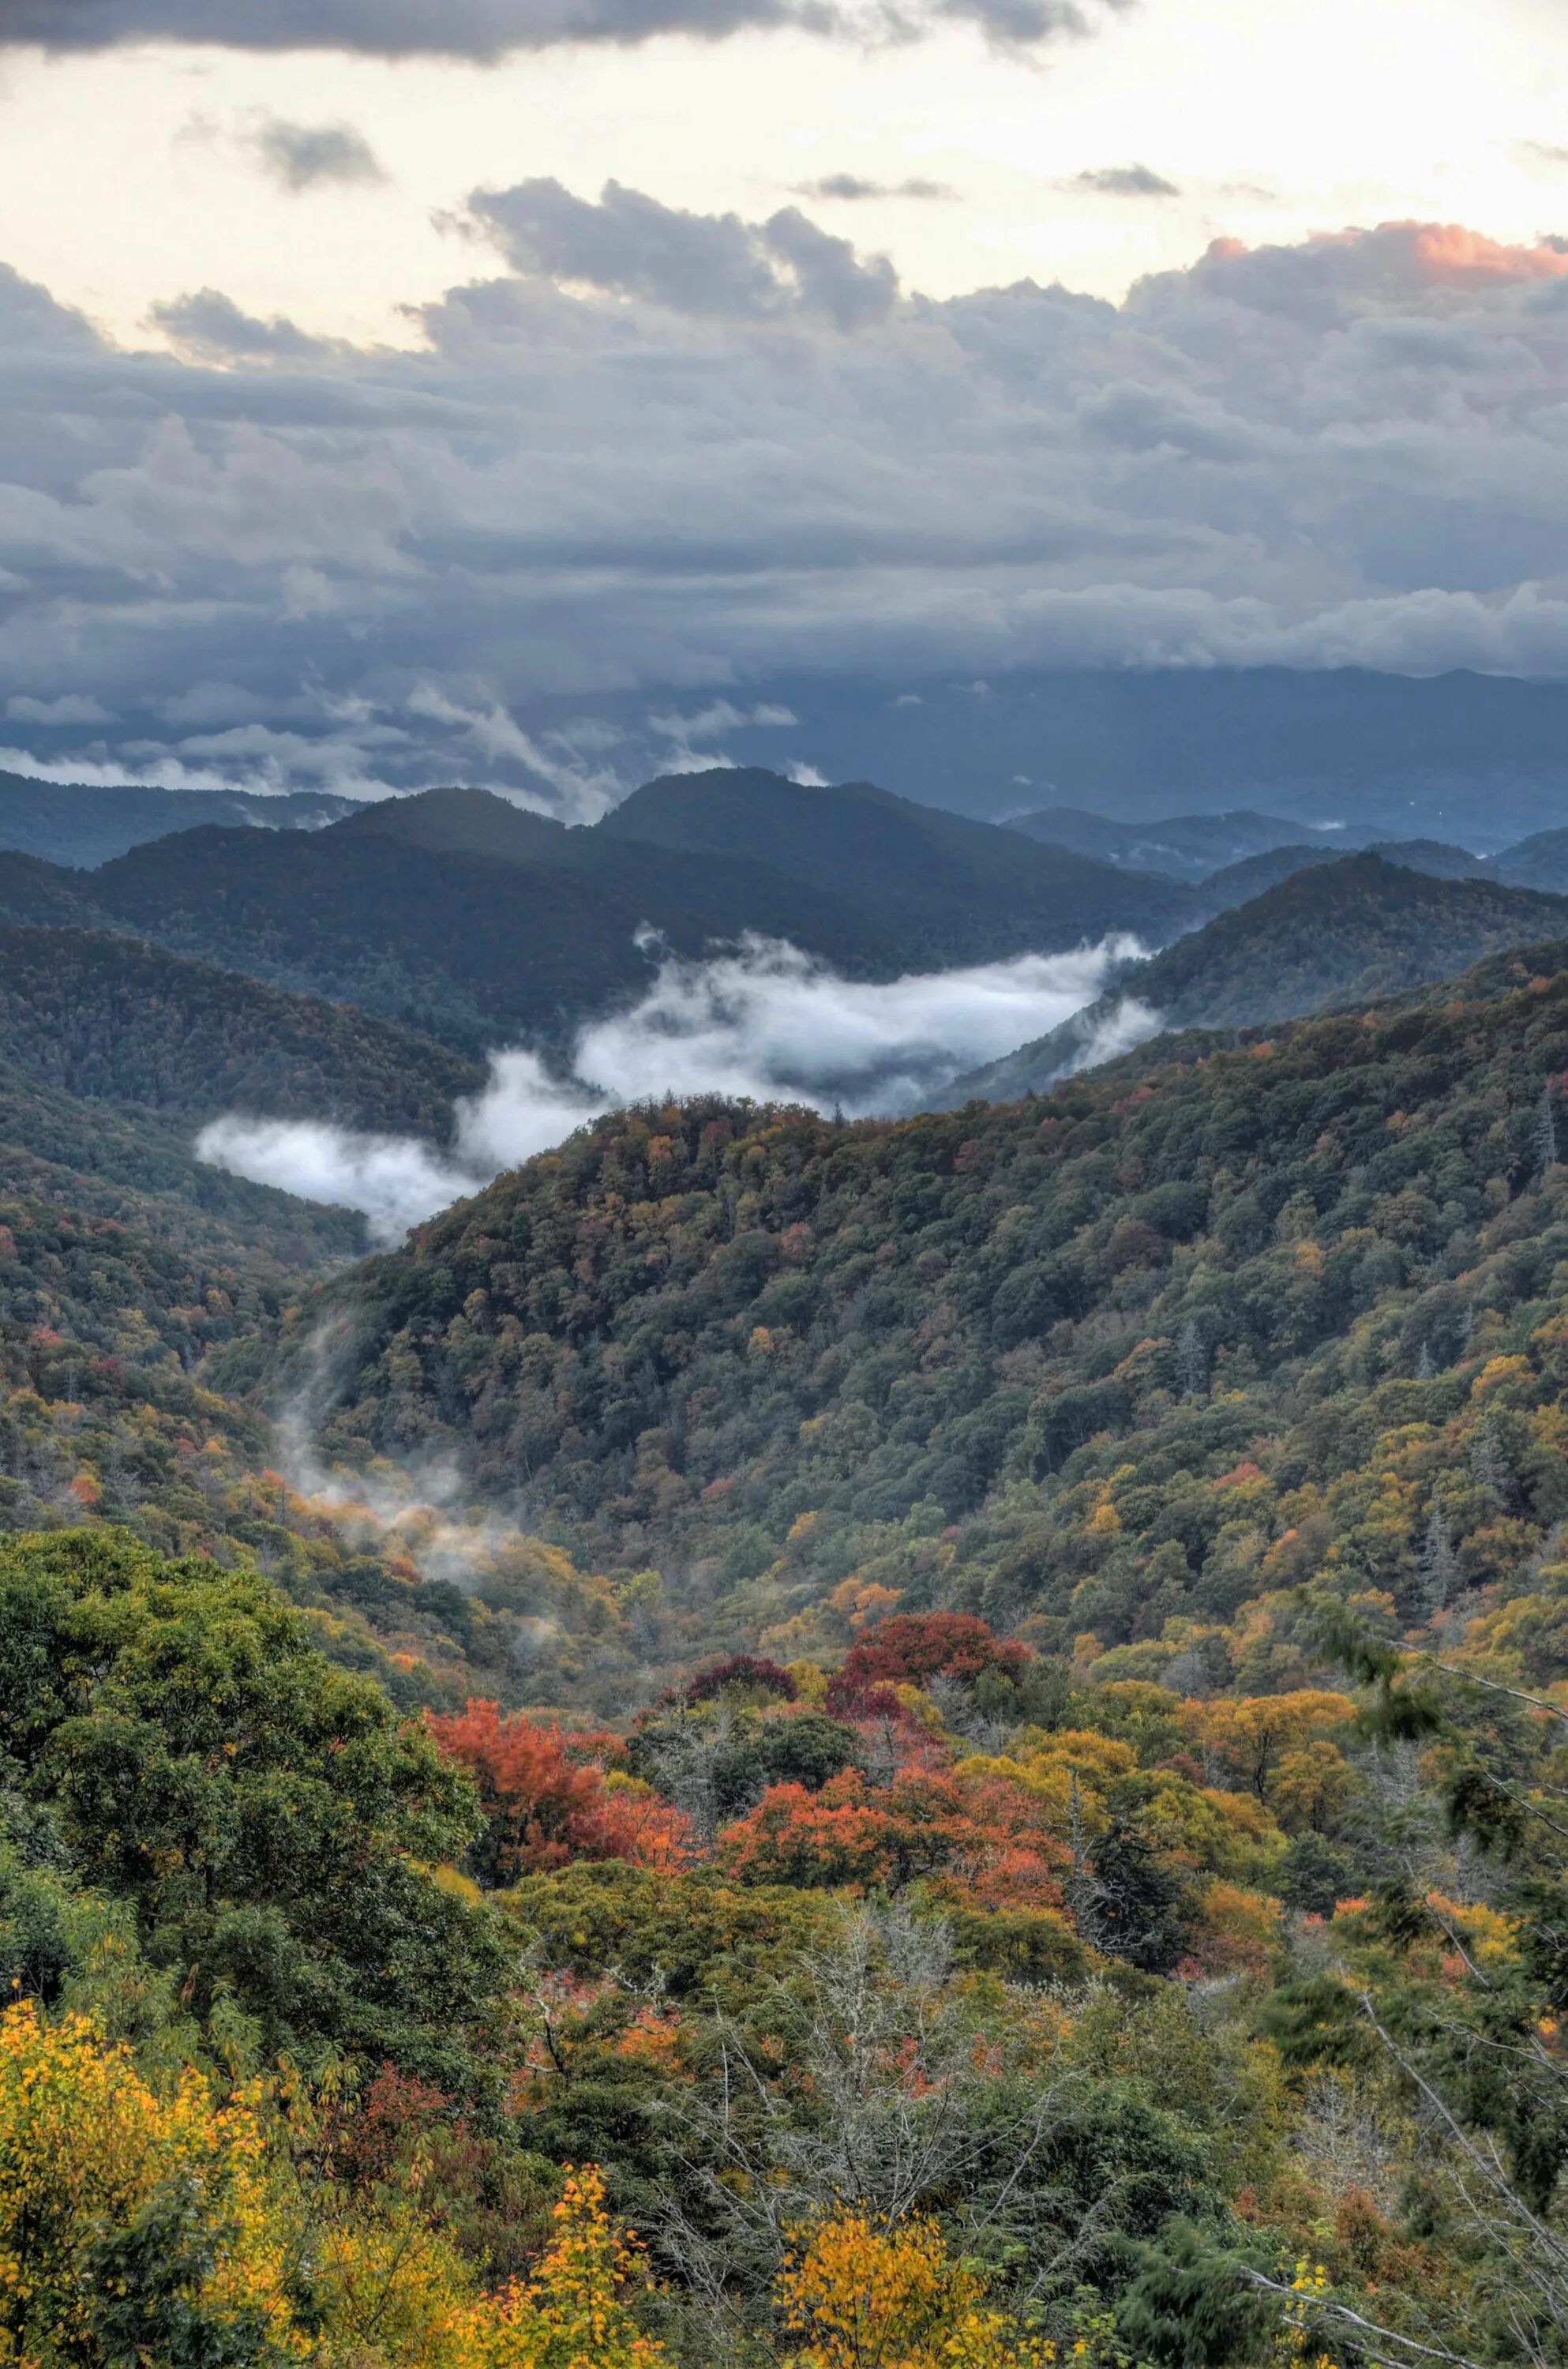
(402, 390)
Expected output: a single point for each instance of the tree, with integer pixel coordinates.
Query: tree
(862, 2296)
(542, 1808)
(1543, 1132)
(573, 2313)
(268, 1818)
(1437, 1563)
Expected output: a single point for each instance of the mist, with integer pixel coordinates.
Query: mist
(761, 1019)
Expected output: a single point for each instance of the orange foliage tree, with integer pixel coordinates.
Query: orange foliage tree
(911, 1647)
(985, 1843)
(543, 1807)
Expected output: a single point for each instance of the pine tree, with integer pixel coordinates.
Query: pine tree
(1489, 1465)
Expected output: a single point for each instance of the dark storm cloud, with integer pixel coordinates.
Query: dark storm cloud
(664, 449)
(486, 30)
(307, 156)
(1126, 181)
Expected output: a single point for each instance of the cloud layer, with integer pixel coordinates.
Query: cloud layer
(644, 450)
(486, 29)
(762, 1021)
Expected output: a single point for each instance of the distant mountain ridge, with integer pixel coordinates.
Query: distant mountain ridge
(83, 824)
(467, 917)
(1182, 847)
(1329, 935)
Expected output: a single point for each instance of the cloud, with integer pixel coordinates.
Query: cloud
(851, 186)
(656, 461)
(312, 155)
(210, 326)
(488, 29)
(762, 1021)
(71, 707)
(1126, 181)
(630, 245)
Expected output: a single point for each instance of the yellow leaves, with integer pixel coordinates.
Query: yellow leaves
(864, 2298)
(1498, 1372)
(337, 2277)
(572, 2313)
(86, 2145)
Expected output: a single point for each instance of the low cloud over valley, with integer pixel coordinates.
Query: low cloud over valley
(761, 1019)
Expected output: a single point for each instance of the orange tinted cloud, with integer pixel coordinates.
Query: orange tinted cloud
(1457, 258)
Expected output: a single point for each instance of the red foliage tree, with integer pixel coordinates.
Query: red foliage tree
(543, 1807)
(913, 1647)
(982, 1846)
(752, 1671)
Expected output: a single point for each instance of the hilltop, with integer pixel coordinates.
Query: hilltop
(80, 824)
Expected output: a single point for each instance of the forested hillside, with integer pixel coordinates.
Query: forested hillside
(960, 888)
(1328, 935)
(785, 1360)
(107, 1017)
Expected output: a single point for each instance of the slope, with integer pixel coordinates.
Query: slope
(774, 1355)
(463, 916)
(1330, 933)
(1538, 862)
(1183, 847)
(111, 1018)
(1238, 883)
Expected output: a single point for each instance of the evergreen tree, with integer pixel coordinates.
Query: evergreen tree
(1192, 1361)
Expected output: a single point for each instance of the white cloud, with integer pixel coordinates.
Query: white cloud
(763, 1021)
(71, 707)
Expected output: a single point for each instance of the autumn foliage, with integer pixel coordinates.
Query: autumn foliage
(911, 1647)
(543, 1807)
(861, 2298)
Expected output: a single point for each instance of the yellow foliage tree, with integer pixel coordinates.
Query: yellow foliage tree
(183, 2226)
(95, 2168)
(573, 2313)
(863, 2298)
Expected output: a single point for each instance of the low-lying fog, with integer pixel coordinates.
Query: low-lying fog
(763, 1020)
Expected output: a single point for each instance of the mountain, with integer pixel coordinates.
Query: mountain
(1540, 862)
(82, 824)
(960, 890)
(1329, 935)
(1238, 883)
(1479, 759)
(462, 915)
(466, 822)
(1183, 847)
